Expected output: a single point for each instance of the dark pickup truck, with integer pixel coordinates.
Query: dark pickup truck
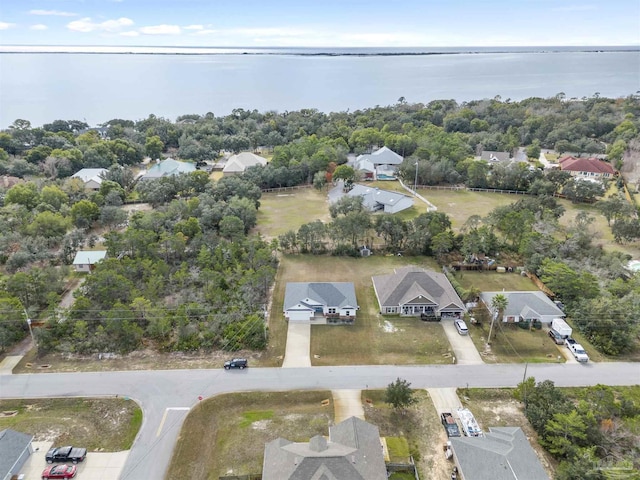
(450, 424)
(66, 454)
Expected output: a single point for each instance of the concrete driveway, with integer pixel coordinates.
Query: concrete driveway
(298, 346)
(346, 404)
(444, 399)
(97, 465)
(462, 345)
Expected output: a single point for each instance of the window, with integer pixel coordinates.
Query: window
(332, 310)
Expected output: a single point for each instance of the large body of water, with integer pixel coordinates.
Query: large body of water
(42, 87)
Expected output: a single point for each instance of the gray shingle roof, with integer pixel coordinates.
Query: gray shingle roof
(353, 452)
(524, 303)
(89, 257)
(383, 156)
(373, 196)
(408, 283)
(504, 453)
(331, 294)
(169, 167)
(12, 444)
(240, 162)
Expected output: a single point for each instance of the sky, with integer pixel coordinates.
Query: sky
(320, 23)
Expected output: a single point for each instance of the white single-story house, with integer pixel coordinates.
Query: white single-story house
(167, 168)
(91, 177)
(375, 199)
(16, 448)
(383, 156)
(413, 291)
(85, 260)
(239, 163)
(523, 306)
(332, 302)
(587, 168)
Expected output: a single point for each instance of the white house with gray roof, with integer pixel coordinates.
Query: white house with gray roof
(524, 306)
(375, 199)
(91, 177)
(239, 163)
(413, 291)
(383, 156)
(353, 451)
(323, 302)
(85, 260)
(504, 453)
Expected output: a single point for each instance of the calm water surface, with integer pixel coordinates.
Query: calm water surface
(97, 88)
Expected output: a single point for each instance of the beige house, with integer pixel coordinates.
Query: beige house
(239, 163)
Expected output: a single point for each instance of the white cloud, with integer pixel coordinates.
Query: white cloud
(194, 27)
(129, 33)
(271, 32)
(38, 26)
(161, 30)
(5, 25)
(207, 31)
(86, 25)
(55, 13)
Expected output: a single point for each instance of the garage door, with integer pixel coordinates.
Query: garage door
(300, 316)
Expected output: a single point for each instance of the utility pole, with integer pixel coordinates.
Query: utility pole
(33, 338)
(415, 183)
(493, 319)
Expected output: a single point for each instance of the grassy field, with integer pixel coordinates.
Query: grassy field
(225, 435)
(491, 281)
(373, 339)
(98, 424)
(512, 344)
(281, 212)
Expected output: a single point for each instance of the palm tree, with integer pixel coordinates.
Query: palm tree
(498, 305)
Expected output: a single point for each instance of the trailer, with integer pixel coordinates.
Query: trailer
(469, 424)
(561, 327)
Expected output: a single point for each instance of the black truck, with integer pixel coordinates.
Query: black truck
(450, 424)
(66, 454)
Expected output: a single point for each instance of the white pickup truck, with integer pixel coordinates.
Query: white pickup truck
(576, 349)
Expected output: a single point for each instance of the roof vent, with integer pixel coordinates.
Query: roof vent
(318, 444)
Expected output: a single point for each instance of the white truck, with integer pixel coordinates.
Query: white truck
(561, 327)
(576, 350)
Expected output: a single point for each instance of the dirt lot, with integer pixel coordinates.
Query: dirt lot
(97, 424)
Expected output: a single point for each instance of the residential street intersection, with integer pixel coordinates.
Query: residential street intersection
(167, 396)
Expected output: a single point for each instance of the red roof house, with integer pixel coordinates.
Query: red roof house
(586, 167)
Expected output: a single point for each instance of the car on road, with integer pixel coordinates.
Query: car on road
(461, 327)
(240, 363)
(59, 471)
(66, 454)
(556, 337)
(450, 424)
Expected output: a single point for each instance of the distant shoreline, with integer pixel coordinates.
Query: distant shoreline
(306, 52)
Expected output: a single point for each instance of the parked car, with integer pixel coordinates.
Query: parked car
(556, 337)
(461, 327)
(240, 363)
(66, 454)
(578, 352)
(450, 424)
(569, 342)
(59, 471)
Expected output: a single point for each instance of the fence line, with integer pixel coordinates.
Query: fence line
(285, 189)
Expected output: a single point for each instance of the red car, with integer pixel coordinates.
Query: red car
(59, 471)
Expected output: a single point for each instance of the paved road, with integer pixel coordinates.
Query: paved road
(166, 396)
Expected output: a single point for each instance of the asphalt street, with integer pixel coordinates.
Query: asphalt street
(166, 396)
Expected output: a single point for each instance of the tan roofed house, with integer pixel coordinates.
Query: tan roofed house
(414, 291)
(239, 163)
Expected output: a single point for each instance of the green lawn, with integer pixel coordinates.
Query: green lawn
(512, 344)
(284, 211)
(370, 340)
(225, 435)
(491, 281)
